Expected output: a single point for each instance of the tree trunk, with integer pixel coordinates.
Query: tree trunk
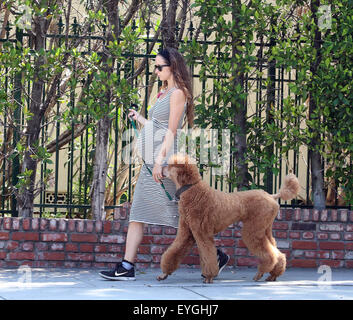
(240, 112)
(317, 169)
(100, 168)
(26, 193)
(168, 29)
(103, 128)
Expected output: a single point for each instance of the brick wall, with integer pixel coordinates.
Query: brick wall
(308, 237)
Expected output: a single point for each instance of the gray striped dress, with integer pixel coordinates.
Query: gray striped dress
(150, 203)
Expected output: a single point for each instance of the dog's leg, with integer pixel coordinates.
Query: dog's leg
(208, 255)
(279, 268)
(181, 245)
(260, 246)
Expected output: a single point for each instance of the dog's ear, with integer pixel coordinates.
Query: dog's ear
(188, 172)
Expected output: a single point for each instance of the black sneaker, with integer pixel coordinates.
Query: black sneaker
(119, 273)
(222, 260)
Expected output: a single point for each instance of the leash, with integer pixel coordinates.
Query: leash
(149, 170)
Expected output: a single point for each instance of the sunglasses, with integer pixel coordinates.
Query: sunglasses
(160, 67)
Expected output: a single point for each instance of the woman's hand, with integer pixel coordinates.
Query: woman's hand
(136, 116)
(157, 173)
(133, 114)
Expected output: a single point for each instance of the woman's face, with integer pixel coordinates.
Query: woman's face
(165, 73)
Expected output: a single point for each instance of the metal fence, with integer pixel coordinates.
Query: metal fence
(68, 194)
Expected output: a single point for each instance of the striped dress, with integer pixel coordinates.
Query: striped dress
(150, 203)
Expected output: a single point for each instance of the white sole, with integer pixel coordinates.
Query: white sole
(118, 278)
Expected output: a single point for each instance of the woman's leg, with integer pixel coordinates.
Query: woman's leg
(133, 240)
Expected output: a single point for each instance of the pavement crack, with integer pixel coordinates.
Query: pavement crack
(199, 294)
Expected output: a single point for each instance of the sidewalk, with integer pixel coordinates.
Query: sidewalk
(186, 284)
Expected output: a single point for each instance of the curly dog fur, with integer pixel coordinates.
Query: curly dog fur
(205, 211)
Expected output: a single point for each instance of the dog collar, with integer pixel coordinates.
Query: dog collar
(181, 190)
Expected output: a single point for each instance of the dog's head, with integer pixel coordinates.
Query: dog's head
(182, 170)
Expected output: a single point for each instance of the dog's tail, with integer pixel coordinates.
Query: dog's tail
(290, 188)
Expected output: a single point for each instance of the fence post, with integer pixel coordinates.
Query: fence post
(17, 122)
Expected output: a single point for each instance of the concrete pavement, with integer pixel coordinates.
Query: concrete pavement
(236, 284)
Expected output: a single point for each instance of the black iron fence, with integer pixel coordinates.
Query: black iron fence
(67, 192)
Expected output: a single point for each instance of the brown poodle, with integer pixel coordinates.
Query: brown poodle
(205, 211)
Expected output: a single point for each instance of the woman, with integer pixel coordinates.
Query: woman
(166, 116)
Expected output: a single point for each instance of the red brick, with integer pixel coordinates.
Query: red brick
(247, 262)
(107, 257)
(348, 236)
(80, 256)
(170, 231)
(80, 225)
(52, 225)
(56, 256)
(12, 245)
(4, 235)
(71, 247)
(224, 242)
(157, 249)
(322, 236)
(331, 227)
(21, 255)
(26, 224)
(338, 255)
(310, 245)
(58, 237)
(332, 263)
(280, 226)
(294, 235)
(89, 225)
(43, 224)
(349, 246)
(84, 237)
(112, 238)
(349, 264)
(3, 255)
(62, 224)
(163, 240)
(27, 236)
(15, 224)
(301, 263)
(100, 248)
(191, 260)
(27, 246)
(57, 246)
(331, 245)
(35, 223)
(71, 225)
(86, 248)
(7, 223)
(351, 215)
(107, 226)
(281, 234)
(308, 235)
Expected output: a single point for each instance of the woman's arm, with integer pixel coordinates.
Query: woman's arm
(177, 103)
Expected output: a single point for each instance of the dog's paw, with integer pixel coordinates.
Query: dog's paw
(208, 280)
(271, 278)
(258, 276)
(162, 276)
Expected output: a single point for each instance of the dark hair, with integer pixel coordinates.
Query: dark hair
(182, 78)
